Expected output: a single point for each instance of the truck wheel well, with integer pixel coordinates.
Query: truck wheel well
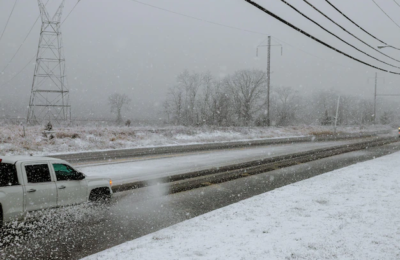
(99, 194)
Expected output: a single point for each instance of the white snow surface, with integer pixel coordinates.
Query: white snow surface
(350, 213)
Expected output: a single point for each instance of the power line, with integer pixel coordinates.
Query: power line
(362, 29)
(73, 8)
(26, 37)
(386, 14)
(20, 46)
(251, 31)
(236, 28)
(20, 71)
(33, 58)
(396, 3)
(198, 19)
(309, 53)
(314, 38)
(344, 29)
(223, 25)
(5, 27)
(337, 37)
(202, 20)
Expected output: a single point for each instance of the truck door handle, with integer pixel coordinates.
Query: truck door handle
(62, 187)
(31, 190)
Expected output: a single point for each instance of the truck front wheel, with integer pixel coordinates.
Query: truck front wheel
(100, 195)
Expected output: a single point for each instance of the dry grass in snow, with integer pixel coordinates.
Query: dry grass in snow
(89, 138)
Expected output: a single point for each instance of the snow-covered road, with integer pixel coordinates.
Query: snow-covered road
(153, 167)
(350, 213)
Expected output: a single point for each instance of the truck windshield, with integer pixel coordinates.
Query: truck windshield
(8, 175)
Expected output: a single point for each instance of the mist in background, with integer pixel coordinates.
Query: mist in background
(126, 47)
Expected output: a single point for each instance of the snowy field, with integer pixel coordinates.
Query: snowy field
(350, 213)
(90, 138)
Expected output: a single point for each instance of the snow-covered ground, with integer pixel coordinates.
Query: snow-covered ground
(90, 138)
(350, 213)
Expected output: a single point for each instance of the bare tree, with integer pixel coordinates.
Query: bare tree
(190, 83)
(366, 112)
(221, 106)
(173, 106)
(386, 118)
(214, 104)
(167, 109)
(323, 106)
(117, 103)
(287, 103)
(203, 102)
(188, 102)
(240, 99)
(247, 89)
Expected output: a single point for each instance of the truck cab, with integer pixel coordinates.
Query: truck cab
(36, 183)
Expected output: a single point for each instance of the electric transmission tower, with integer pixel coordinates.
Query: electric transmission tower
(49, 96)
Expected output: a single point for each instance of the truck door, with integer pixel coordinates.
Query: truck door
(40, 189)
(11, 192)
(71, 188)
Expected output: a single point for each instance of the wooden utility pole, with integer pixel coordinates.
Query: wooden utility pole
(376, 84)
(269, 75)
(268, 80)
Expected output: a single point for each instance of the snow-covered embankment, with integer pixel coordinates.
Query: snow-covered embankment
(350, 213)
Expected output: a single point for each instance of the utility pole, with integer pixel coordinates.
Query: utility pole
(337, 113)
(268, 80)
(49, 95)
(269, 75)
(376, 84)
(375, 92)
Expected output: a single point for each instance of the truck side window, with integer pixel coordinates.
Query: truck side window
(38, 173)
(64, 172)
(8, 175)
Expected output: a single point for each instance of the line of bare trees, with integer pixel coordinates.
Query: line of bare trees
(240, 99)
(199, 99)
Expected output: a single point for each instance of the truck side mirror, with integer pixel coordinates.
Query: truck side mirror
(80, 176)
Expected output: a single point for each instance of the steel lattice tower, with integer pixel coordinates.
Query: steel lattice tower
(49, 99)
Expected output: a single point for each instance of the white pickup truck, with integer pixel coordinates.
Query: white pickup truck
(35, 183)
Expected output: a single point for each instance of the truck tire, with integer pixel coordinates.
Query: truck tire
(100, 195)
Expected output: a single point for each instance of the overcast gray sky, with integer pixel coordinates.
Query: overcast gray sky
(127, 47)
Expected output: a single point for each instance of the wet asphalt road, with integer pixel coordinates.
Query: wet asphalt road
(75, 232)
